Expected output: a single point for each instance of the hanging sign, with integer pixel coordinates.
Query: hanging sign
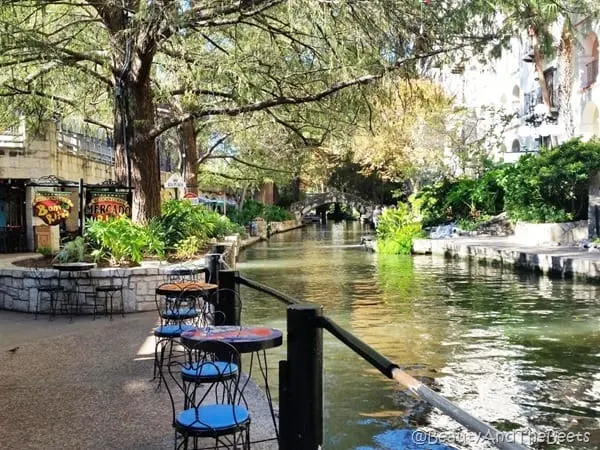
(52, 206)
(102, 204)
(175, 181)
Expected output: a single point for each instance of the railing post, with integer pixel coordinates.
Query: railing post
(228, 301)
(302, 420)
(212, 262)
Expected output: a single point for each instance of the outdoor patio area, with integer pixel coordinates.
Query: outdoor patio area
(86, 384)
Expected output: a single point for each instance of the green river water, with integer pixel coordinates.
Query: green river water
(515, 349)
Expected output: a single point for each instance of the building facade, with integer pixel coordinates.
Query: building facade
(65, 155)
(510, 86)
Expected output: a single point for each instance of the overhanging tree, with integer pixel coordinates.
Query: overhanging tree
(240, 56)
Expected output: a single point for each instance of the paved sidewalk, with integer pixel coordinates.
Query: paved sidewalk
(85, 385)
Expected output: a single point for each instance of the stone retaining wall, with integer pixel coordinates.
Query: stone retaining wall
(561, 261)
(19, 287)
(546, 233)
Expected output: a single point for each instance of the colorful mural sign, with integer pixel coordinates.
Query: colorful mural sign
(102, 204)
(52, 206)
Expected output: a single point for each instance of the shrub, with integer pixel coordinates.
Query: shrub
(44, 251)
(253, 209)
(122, 241)
(463, 198)
(181, 219)
(187, 248)
(72, 251)
(396, 230)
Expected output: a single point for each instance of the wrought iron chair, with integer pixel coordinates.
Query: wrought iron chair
(105, 295)
(53, 292)
(214, 301)
(228, 423)
(204, 367)
(177, 314)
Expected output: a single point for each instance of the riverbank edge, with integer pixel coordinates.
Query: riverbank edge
(254, 239)
(561, 261)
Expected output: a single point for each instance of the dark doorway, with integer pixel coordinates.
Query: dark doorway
(12, 216)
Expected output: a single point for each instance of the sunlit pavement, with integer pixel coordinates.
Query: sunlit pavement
(85, 384)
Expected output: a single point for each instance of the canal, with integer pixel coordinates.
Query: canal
(517, 350)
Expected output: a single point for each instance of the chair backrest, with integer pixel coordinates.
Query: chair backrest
(224, 295)
(39, 275)
(183, 296)
(203, 352)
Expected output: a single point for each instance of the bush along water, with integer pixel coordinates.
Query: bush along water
(551, 186)
(396, 229)
(252, 210)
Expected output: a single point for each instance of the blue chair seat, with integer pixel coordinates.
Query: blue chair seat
(180, 313)
(210, 418)
(209, 371)
(171, 330)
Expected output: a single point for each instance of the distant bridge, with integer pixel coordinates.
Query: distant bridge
(313, 201)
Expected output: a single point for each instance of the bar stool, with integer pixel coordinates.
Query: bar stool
(107, 294)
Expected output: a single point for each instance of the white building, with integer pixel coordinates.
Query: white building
(510, 84)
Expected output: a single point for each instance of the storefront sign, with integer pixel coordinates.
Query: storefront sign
(51, 206)
(102, 204)
(175, 181)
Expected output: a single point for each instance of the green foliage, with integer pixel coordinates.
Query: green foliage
(187, 248)
(396, 230)
(122, 241)
(181, 220)
(464, 198)
(253, 209)
(551, 186)
(72, 251)
(471, 224)
(44, 251)
(273, 213)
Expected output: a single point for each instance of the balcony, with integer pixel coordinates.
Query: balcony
(12, 139)
(86, 146)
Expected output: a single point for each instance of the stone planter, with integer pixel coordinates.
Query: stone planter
(565, 233)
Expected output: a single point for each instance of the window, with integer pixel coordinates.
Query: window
(589, 61)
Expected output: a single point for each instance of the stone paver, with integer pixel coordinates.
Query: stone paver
(85, 385)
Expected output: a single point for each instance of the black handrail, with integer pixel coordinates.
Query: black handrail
(391, 370)
(376, 359)
(287, 299)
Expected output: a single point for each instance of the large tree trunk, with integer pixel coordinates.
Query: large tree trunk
(565, 86)
(191, 155)
(143, 154)
(538, 61)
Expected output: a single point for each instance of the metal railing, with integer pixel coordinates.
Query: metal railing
(86, 146)
(301, 374)
(12, 138)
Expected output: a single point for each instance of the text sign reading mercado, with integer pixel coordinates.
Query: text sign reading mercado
(51, 206)
(102, 204)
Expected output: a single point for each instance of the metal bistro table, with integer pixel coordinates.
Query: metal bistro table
(182, 274)
(253, 340)
(70, 269)
(189, 290)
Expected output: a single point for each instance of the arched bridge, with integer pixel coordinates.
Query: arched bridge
(312, 201)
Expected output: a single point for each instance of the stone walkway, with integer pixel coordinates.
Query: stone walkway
(85, 385)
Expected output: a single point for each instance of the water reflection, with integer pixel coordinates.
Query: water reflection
(517, 350)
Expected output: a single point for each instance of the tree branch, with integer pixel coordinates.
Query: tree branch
(241, 161)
